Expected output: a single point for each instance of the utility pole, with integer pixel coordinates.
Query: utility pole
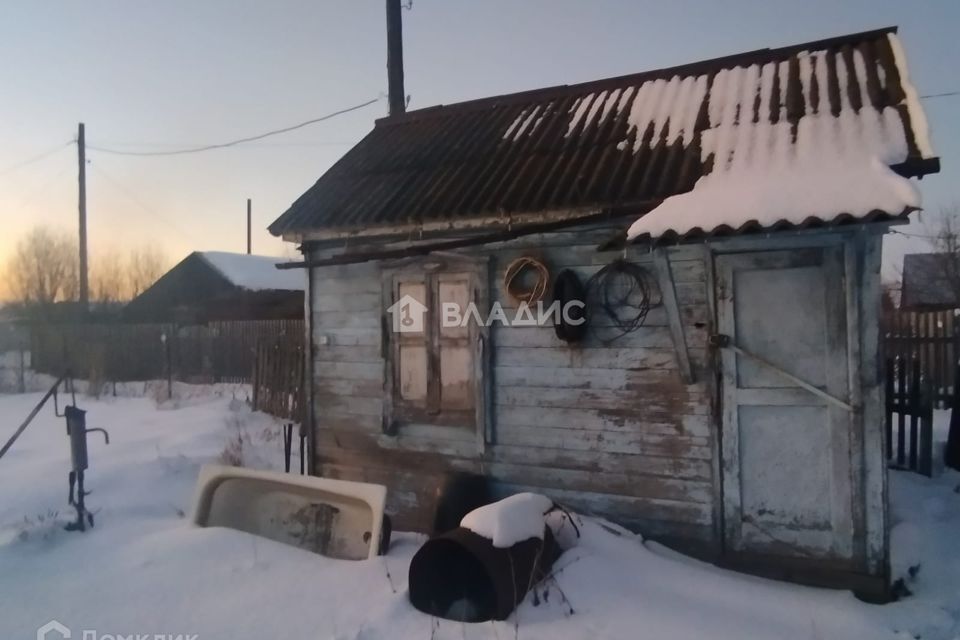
(248, 227)
(82, 157)
(397, 99)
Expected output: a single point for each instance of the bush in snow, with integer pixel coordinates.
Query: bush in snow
(232, 453)
(42, 527)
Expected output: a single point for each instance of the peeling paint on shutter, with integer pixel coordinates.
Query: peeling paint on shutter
(453, 343)
(412, 353)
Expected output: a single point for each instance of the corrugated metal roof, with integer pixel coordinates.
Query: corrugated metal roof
(926, 284)
(621, 142)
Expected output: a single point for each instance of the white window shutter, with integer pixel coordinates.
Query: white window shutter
(412, 352)
(455, 351)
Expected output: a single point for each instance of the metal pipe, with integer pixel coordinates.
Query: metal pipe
(396, 96)
(16, 434)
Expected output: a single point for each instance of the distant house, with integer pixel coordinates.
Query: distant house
(926, 284)
(215, 285)
(741, 419)
(13, 331)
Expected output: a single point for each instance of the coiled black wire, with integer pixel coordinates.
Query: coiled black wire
(625, 292)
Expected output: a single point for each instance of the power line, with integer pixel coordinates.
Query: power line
(946, 94)
(160, 146)
(133, 198)
(44, 189)
(913, 235)
(38, 158)
(232, 143)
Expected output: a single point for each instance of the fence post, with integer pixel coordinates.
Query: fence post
(256, 378)
(953, 358)
(901, 413)
(22, 380)
(951, 455)
(916, 410)
(287, 445)
(166, 339)
(925, 454)
(888, 405)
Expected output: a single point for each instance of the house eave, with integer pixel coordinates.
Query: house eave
(414, 230)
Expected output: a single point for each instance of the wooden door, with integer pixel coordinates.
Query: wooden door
(786, 451)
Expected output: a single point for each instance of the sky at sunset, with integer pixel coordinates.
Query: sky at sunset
(164, 75)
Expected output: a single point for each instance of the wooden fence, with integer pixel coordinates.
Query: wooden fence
(215, 352)
(910, 436)
(931, 338)
(278, 378)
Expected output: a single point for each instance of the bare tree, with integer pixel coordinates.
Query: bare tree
(108, 280)
(145, 266)
(946, 243)
(43, 268)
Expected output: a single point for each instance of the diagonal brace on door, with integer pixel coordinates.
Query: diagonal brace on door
(722, 341)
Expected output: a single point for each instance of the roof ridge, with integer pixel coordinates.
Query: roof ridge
(735, 59)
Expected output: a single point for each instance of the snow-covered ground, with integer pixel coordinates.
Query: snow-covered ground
(144, 570)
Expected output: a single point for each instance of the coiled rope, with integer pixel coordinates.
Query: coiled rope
(516, 269)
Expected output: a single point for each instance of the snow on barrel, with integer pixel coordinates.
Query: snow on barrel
(483, 569)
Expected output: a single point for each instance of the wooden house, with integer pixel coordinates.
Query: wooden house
(930, 282)
(217, 285)
(741, 419)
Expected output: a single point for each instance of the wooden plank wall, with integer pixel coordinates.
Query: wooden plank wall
(606, 429)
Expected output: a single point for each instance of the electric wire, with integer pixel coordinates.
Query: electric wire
(49, 187)
(945, 94)
(160, 146)
(914, 235)
(37, 158)
(232, 143)
(625, 292)
(133, 198)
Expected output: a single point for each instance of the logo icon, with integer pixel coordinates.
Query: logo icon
(46, 631)
(408, 314)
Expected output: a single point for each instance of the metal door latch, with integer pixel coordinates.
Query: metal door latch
(718, 341)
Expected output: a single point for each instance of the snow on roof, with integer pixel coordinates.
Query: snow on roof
(618, 143)
(672, 106)
(793, 189)
(526, 123)
(830, 162)
(255, 273)
(920, 127)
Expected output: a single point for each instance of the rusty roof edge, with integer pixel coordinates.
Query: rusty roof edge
(279, 226)
(474, 224)
(688, 68)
